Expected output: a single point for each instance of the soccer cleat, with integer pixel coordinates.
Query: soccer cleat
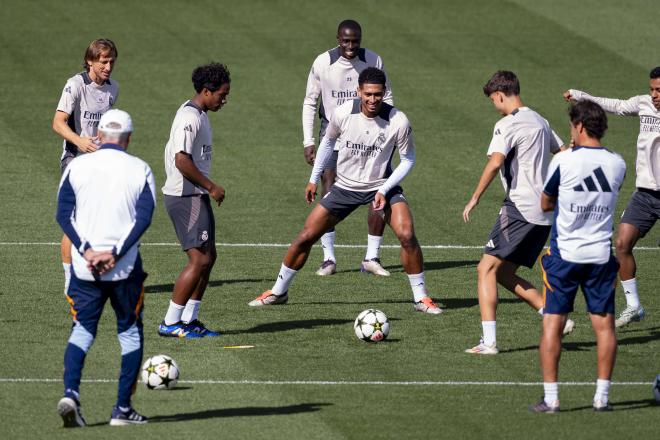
(483, 348)
(426, 305)
(268, 298)
(178, 330)
(70, 412)
(373, 266)
(543, 407)
(328, 267)
(198, 327)
(128, 417)
(600, 406)
(630, 314)
(568, 327)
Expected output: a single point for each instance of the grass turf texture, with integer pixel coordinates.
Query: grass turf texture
(438, 55)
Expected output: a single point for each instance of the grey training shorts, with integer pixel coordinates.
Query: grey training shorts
(193, 220)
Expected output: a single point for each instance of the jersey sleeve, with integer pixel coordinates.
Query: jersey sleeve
(310, 103)
(389, 96)
(621, 107)
(551, 185)
(405, 139)
(502, 140)
(555, 142)
(70, 95)
(184, 133)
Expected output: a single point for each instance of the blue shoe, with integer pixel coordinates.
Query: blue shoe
(198, 327)
(178, 330)
(128, 417)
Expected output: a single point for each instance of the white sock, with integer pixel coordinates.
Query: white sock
(418, 286)
(67, 277)
(284, 278)
(373, 246)
(550, 392)
(173, 314)
(328, 244)
(541, 311)
(602, 390)
(630, 289)
(489, 332)
(191, 311)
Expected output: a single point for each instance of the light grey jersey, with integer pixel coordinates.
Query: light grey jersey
(334, 79)
(191, 134)
(367, 145)
(647, 166)
(85, 102)
(527, 142)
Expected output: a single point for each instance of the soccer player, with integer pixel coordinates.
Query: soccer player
(332, 79)
(370, 131)
(520, 151)
(105, 203)
(643, 209)
(188, 191)
(86, 96)
(582, 188)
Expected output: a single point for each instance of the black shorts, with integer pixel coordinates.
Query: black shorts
(341, 202)
(643, 210)
(193, 220)
(516, 240)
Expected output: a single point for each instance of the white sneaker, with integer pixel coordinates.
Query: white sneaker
(600, 406)
(328, 267)
(373, 266)
(70, 412)
(426, 305)
(630, 314)
(268, 298)
(568, 327)
(483, 348)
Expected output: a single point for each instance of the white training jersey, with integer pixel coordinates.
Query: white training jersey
(85, 102)
(191, 134)
(105, 202)
(648, 142)
(527, 142)
(586, 182)
(334, 79)
(367, 145)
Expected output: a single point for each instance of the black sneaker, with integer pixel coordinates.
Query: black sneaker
(129, 417)
(69, 410)
(543, 407)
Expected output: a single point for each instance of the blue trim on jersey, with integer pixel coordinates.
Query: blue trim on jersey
(578, 147)
(356, 106)
(112, 147)
(86, 78)
(385, 111)
(362, 55)
(602, 180)
(507, 168)
(195, 106)
(334, 55)
(66, 205)
(552, 187)
(554, 249)
(515, 111)
(144, 209)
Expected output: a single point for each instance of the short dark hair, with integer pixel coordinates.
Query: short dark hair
(503, 81)
(96, 48)
(592, 117)
(655, 73)
(210, 76)
(349, 24)
(372, 75)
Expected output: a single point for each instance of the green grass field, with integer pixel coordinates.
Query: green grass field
(325, 383)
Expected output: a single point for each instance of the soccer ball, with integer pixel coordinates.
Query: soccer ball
(371, 326)
(656, 388)
(160, 372)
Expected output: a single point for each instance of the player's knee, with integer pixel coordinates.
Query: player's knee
(406, 236)
(485, 268)
(623, 246)
(305, 239)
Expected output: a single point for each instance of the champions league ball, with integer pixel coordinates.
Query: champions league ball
(656, 388)
(371, 326)
(160, 372)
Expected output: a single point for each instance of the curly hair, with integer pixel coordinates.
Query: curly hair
(210, 76)
(372, 75)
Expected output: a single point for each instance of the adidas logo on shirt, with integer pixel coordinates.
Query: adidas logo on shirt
(591, 185)
(490, 244)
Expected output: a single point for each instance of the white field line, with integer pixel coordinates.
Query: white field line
(337, 382)
(285, 245)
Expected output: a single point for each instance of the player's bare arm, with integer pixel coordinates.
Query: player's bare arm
(548, 203)
(491, 169)
(187, 167)
(60, 126)
(310, 192)
(310, 154)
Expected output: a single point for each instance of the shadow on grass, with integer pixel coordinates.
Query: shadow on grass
(587, 345)
(466, 303)
(428, 266)
(167, 288)
(240, 412)
(620, 406)
(282, 326)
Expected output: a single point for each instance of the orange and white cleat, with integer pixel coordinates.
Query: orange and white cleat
(268, 298)
(426, 305)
